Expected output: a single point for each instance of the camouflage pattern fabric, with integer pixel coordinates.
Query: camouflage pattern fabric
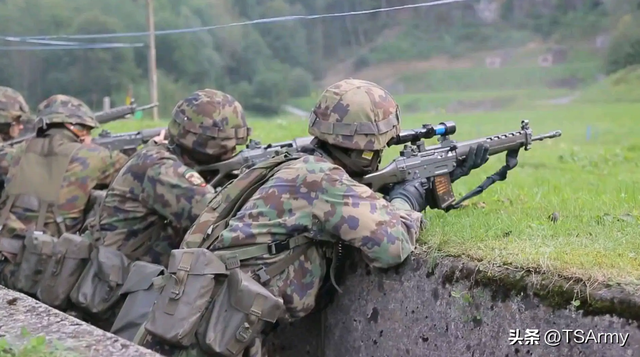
(90, 166)
(313, 194)
(66, 109)
(355, 114)
(209, 122)
(154, 187)
(12, 104)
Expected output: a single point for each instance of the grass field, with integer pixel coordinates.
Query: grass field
(590, 177)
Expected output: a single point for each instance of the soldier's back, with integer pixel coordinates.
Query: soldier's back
(87, 165)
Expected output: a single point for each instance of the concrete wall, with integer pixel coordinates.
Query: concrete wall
(18, 311)
(452, 308)
(455, 309)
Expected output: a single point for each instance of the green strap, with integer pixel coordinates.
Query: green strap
(232, 258)
(263, 274)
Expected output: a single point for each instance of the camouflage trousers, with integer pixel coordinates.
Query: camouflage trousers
(144, 339)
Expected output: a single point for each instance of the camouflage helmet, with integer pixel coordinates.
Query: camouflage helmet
(12, 104)
(209, 122)
(355, 114)
(61, 108)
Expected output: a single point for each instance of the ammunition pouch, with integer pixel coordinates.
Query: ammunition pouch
(101, 281)
(69, 258)
(37, 254)
(142, 288)
(241, 310)
(12, 249)
(194, 280)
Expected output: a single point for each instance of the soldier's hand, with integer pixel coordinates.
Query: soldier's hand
(477, 156)
(159, 139)
(413, 192)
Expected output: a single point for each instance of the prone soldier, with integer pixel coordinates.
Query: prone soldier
(14, 112)
(48, 183)
(260, 251)
(156, 197)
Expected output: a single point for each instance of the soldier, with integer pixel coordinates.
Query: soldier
(157, 196)
(282, 235)
(49, 179)
(14, 112)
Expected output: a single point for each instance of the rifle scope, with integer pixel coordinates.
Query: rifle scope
(428, 131)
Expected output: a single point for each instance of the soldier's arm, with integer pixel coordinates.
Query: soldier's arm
(385, 232)
(111, 163)
(176, 192)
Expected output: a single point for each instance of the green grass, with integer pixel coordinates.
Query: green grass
(593, 184)
(34, 346)
(621, 87)
(502, 79)
(438, 102)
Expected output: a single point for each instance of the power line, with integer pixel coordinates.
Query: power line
(259, 21)
(79, 47)
(57, 45)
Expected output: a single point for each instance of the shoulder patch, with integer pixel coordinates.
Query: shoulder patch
(194, 178)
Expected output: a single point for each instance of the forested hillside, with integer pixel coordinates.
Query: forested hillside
(263, 64)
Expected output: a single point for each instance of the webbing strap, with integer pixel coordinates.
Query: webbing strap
(233, 258)
(264, 275)
(6, 210)
(361, 128)
(228, 211)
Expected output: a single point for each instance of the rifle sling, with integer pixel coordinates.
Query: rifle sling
(511, 159)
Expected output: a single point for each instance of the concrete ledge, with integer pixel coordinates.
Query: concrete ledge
(19, 311)
(450, 307)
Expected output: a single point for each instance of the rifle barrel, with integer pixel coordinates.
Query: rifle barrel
(551, 135)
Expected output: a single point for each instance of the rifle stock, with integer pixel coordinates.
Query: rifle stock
(254, 153)
(436, 162)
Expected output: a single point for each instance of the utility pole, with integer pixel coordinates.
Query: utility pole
(153, 76)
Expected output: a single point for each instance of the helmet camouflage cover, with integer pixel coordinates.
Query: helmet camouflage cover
(209, 122)
(355, 114)
(12, 104)
(66, 109)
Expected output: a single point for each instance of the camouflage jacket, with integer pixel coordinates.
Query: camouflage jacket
(313, 195)
(90, 166)
(153, 188)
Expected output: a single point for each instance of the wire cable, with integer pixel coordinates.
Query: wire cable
(258, 21)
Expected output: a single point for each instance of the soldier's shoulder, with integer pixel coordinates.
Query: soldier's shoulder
(315, 165)
(155, 153)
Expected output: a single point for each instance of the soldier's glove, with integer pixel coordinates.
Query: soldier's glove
(413, 192)
(477, 156)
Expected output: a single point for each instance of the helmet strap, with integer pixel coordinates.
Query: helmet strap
(356, 162)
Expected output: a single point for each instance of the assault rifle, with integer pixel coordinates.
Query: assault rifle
(127, 143)
(116, 113)
(254, 153)
(101, 117)
(434, 163)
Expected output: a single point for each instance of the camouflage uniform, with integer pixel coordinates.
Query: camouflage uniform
(89, 166)
(157, 186)
(316, 195)
(12, 104)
